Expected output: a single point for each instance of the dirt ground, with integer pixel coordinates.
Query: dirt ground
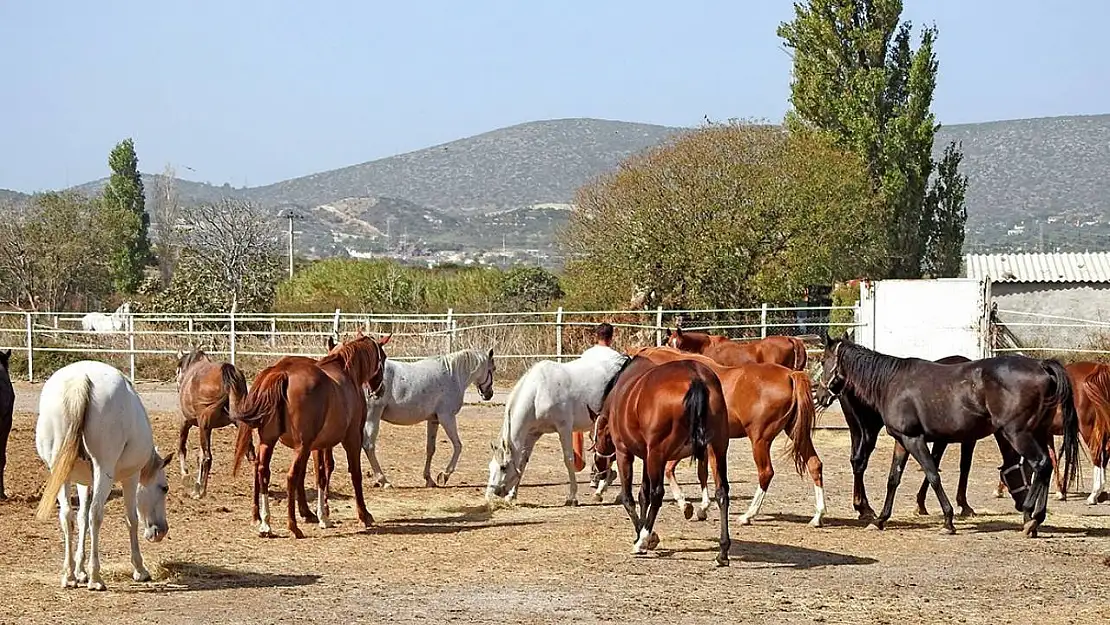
(439, 555)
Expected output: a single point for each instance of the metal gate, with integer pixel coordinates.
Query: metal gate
(927, 319)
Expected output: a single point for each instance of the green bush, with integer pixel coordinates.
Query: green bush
(843, 295)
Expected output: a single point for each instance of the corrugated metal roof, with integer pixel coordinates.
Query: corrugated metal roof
(1060, 267)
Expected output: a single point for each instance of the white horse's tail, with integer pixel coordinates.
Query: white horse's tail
(75, 403)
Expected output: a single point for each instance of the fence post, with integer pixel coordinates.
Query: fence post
(335, 325)
(231, 333)
(30, 349)
(559, 334)
(659, 326)
(450, 330)
(763, 322)
(191, 330)
(273, 332)
(131, 344)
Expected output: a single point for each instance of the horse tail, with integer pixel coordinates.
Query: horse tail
(75, 407)
(1063, 397)
(803, 418)
(1097, 387)
(235, 384)
(263, 404)
(801, 357)
(695, 406)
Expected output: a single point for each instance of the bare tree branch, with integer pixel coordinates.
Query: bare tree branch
(232, 237)
(165, 214)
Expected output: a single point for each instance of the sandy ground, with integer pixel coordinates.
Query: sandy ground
(439, 555)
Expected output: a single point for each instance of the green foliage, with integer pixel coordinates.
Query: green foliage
(386, 286)
(840, 320)
(126, 218)
(857, 78)
(728, 215)
(530, 289)
(946, 204)
(55, 250)
(199, 286)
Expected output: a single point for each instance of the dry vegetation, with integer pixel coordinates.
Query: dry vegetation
(441, 556)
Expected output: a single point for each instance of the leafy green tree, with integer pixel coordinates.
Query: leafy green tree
(726, 215)
(125, 213)
(857, 78)
(530, 289)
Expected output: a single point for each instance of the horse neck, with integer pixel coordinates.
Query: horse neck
(867, 372)
(464, 365)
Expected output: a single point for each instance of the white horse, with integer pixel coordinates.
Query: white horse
(550, 397)
(429, 390)
(93, 431)
(100, 322)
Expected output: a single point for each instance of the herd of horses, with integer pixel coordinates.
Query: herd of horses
(661, 404)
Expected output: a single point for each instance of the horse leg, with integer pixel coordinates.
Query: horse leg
(451, 428)
(352, 444)
(704, 468)
(101, 488)
(648, 539)
(65, 519)
(205, 462)
(624, 469)
(525, 456)
(370, 433)
(718, 460)
(920, 450)
(816, 471)
(645, 491)
(1061, 487)
(897, 465)
(5, 432)
(938, 453)
(433, 431)
(862, 450)
(262, 489)
(676, 491)
(83, 494)
(967, 452)
(294, 483)
(302, 495)
(1098, 475)
(1033, 451)
(323, 486)
(183, 446)
(566, 438)
(761, 453)
(130, 503)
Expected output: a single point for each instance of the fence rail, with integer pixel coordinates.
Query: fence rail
(145, 344)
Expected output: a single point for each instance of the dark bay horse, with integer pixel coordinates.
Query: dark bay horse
(788, 351)
(662, 413)
(207, 394)
(7, 406)
(864, 425)
(920, 401)
(311, 405)
(763, 400)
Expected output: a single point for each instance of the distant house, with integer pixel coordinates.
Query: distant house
(1051, 291)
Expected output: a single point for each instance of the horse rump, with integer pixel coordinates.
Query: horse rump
(264, 404)
(1097, 387)
(75, 407)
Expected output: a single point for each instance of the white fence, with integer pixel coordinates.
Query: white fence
(514, 335)
(1061, 334)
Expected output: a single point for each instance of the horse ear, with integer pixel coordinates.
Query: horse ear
(5, 355)
(167, 459)
(385, 339)
(678, 331)
(180, 354)
(491, 353)
(850, 335)
(330, 343)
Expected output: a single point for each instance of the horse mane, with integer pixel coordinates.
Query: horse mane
(353, 357)
(867, 372)
(628, 360)
(471, 359)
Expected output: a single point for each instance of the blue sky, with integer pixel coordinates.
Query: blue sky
(254, 91)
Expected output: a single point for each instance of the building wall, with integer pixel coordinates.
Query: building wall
(1089, 301)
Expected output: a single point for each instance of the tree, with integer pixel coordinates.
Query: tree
(946, 205)
(857, 78)
(727, 215)
(125, 211)
(530, 289)
(165, 212)
(54, 250)
(235, 243)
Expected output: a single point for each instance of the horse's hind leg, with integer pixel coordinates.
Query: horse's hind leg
(325, 463)
(624, 469)
(430, 450)
(719, 462)
(566, 438)
(920, 451)
(302, 495)
(1033, 451)
(65, 519)
(451, 427)
(205, 461)
(294, 484)
(183, 446)
(761, 453)
(937, 453)
(83, 498)
(676, 491)
(967, 453)
(647, 538)
(897, 466)
(261, 512)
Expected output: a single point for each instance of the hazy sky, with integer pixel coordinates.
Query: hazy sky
(252, 92)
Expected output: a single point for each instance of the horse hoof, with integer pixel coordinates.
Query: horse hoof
(745, 519)
(866, 515)
(69, 582)
(296, 532)
(82, 577)
(597, 498)
(637, 550)
(816, 522)
(652, 541)
(428, 483)
(1030, 529)
(141, 576)
(966, 511)
(441, 479)
(702, 514)
(1061, 497)
(97, 586)
(325, 525)
(570, 503)
(311, 518)
(948, 531)
(921, 511)
(874, 527)
(1092, 501)
(688, 510)
(721, 561)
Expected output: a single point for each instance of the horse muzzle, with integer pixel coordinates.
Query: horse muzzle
(155, 534)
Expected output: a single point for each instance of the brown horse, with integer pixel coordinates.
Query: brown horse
(763, 400)
(661, 413)
(207, 394)
(1091, 381)
(788, 351)
(311, 405)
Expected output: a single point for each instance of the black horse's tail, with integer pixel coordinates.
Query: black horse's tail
(696, 408)
(1063, 397)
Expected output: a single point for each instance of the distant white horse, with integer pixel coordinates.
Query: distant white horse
(100, 322)
(429, 390)
(93, 431)
(550, 397)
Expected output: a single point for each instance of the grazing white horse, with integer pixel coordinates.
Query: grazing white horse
(550, 397)
(100, 322)
(93, 431)
(429, 390)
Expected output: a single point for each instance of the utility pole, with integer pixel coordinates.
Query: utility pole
(290, 214)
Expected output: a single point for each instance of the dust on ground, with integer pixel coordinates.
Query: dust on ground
(439, 555)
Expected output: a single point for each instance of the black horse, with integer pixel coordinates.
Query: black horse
(1013, 397)
(864, 425)
(7, 405)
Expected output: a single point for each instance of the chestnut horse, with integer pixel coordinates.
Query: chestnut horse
(311, 405)
(788, 351)
(207, 394)
(763, 400)
(661, 413)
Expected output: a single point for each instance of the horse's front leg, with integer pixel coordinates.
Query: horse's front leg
(325, 463)
(205, 461)
(262, 489)
(566, 439)
(863, 445)
(938, 453)
(897, 465)
(920, 450)
(183, 446)
(967, 453)
(101, 488)
(370, 433)
(130, 509)
(430, 450)
(1061, 487)
(676, 491)
(451, 428)
(718, 460)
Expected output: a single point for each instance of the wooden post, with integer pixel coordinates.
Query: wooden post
(231, 332)
(659, 326)
(30, 349)
(559, 334)
(273, 332)
(131, 344)
(450, 330)
(763, 322)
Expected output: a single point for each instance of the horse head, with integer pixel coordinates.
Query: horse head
(484, 379)
(188, 358)
(504, 472)
(830, 381)
(151, 497)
